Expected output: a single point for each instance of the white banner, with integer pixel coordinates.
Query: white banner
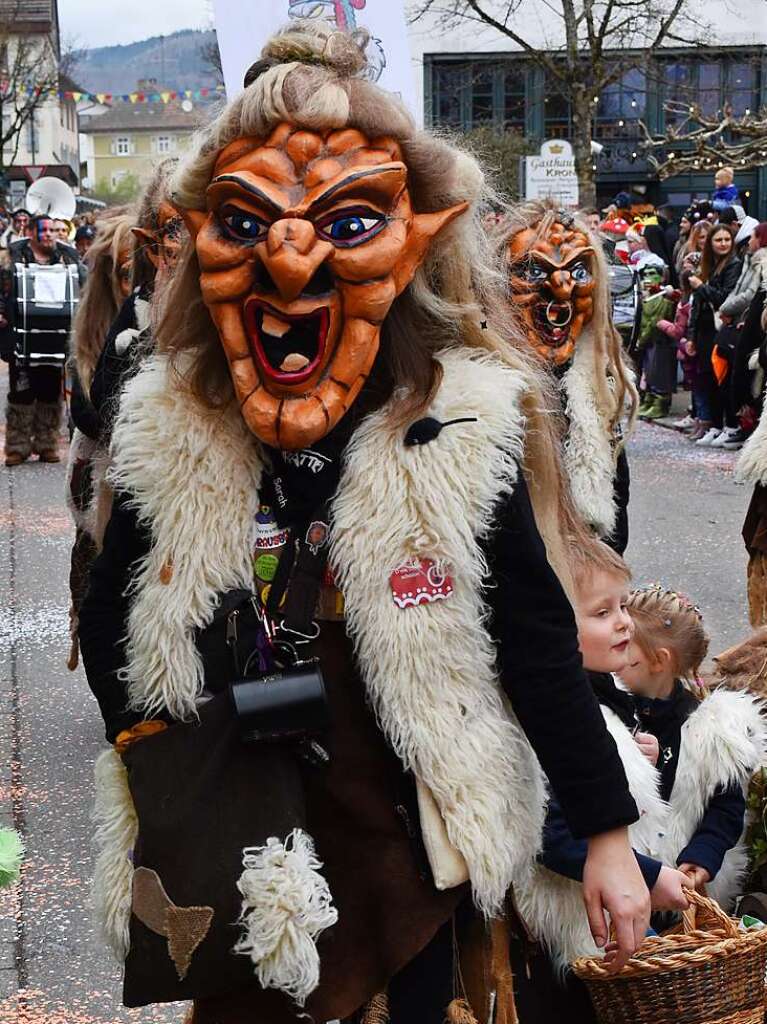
(243, 26)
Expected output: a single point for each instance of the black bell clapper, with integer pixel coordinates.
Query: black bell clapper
(426, 430)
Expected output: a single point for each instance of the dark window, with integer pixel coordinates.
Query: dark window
(710, 88)
(556, 118)
(448, 83)
(514, 99)
(481, 95)
(679, 88)
(621, 105)
(741, 88)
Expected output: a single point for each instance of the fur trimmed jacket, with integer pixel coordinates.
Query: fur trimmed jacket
(723, 741)
(589, 448)
(439, 676)
(753, 277)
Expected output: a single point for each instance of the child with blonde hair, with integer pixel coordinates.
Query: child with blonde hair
(708, 748)
(551, 901)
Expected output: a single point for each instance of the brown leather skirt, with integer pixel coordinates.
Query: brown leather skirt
(366, 835)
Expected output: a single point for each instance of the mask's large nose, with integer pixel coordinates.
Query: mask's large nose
(561, 285)
(292, 255)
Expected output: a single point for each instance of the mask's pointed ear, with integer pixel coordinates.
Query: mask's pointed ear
(425, 227)
(194, 220)
(148, 242)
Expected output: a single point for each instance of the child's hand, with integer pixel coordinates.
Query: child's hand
(697, 875)
(667, 893)
(649, 746)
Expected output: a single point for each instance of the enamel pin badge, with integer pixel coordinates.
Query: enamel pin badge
(420, 581)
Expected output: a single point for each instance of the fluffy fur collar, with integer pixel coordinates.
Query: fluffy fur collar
(751, 467)
(724, 741)
(588, 453)
(429, 670)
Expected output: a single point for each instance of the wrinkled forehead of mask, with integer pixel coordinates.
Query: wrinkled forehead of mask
(558, 243)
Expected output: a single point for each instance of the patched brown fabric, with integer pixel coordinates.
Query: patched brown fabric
(184, 927)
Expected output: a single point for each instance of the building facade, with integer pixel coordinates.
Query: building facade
(129, 140)
(465, 91)
(465, 87)
(48, 142)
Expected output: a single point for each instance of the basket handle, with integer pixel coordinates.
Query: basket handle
(705, 907)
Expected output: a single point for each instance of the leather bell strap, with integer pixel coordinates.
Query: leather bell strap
(300, 574)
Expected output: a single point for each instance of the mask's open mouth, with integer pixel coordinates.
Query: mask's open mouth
(554, 319)
(287, 348)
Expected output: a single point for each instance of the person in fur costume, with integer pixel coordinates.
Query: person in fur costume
(133, 256)
(329, 458)
(109, 284)
(559, 283)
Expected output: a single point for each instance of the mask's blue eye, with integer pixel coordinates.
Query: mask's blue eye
(352, 227)
(581, 274)
(243, 226)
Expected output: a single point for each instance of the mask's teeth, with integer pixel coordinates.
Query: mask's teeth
(275, 326)
(294, 363)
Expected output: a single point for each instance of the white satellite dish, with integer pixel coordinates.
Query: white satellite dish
(53, 197)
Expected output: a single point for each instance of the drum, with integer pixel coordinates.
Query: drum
(46, 301)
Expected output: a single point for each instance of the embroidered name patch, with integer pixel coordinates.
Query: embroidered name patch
(420, 582)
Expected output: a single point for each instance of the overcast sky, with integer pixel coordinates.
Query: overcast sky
(106, 22)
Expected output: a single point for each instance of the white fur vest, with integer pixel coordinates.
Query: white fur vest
(429, 670)
(589, 447)
(723, 743)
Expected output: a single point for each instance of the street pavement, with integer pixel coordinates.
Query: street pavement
(686, 514)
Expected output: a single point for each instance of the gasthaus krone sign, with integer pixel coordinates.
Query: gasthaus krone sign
(551, 174)
(243, 26)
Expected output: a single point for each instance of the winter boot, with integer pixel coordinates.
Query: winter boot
(646, 404)
(46, 430)
(660, 409)
(18, 433)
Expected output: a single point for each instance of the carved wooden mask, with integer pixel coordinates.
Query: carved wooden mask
(306, 242)
(552, 281)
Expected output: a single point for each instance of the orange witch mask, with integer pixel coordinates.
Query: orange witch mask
(306, 242)
(163, 246)
(552, 282)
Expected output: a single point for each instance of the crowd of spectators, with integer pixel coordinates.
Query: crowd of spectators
(703, 323)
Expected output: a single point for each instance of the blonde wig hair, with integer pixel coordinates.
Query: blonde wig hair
(312, 76)
(663, 618)
(614, 379)
(102, 296)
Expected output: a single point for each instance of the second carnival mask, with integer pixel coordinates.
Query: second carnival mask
(551, 275)
(307, 241)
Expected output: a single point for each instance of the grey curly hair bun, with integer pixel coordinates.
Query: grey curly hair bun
(310, 41)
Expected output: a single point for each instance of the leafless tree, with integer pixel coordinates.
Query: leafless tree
(32, 65)
(211, 58)
(593, 44)
(700, 142)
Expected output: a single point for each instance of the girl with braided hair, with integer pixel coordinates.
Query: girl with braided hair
(707, 749)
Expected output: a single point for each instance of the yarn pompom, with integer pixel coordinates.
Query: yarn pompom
(286, 905)
(11, 852)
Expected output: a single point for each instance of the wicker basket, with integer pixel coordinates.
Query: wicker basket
(704, 971)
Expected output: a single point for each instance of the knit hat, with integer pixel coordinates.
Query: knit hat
(746, 229)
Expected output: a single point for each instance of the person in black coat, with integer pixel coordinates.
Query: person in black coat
(718, 275)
